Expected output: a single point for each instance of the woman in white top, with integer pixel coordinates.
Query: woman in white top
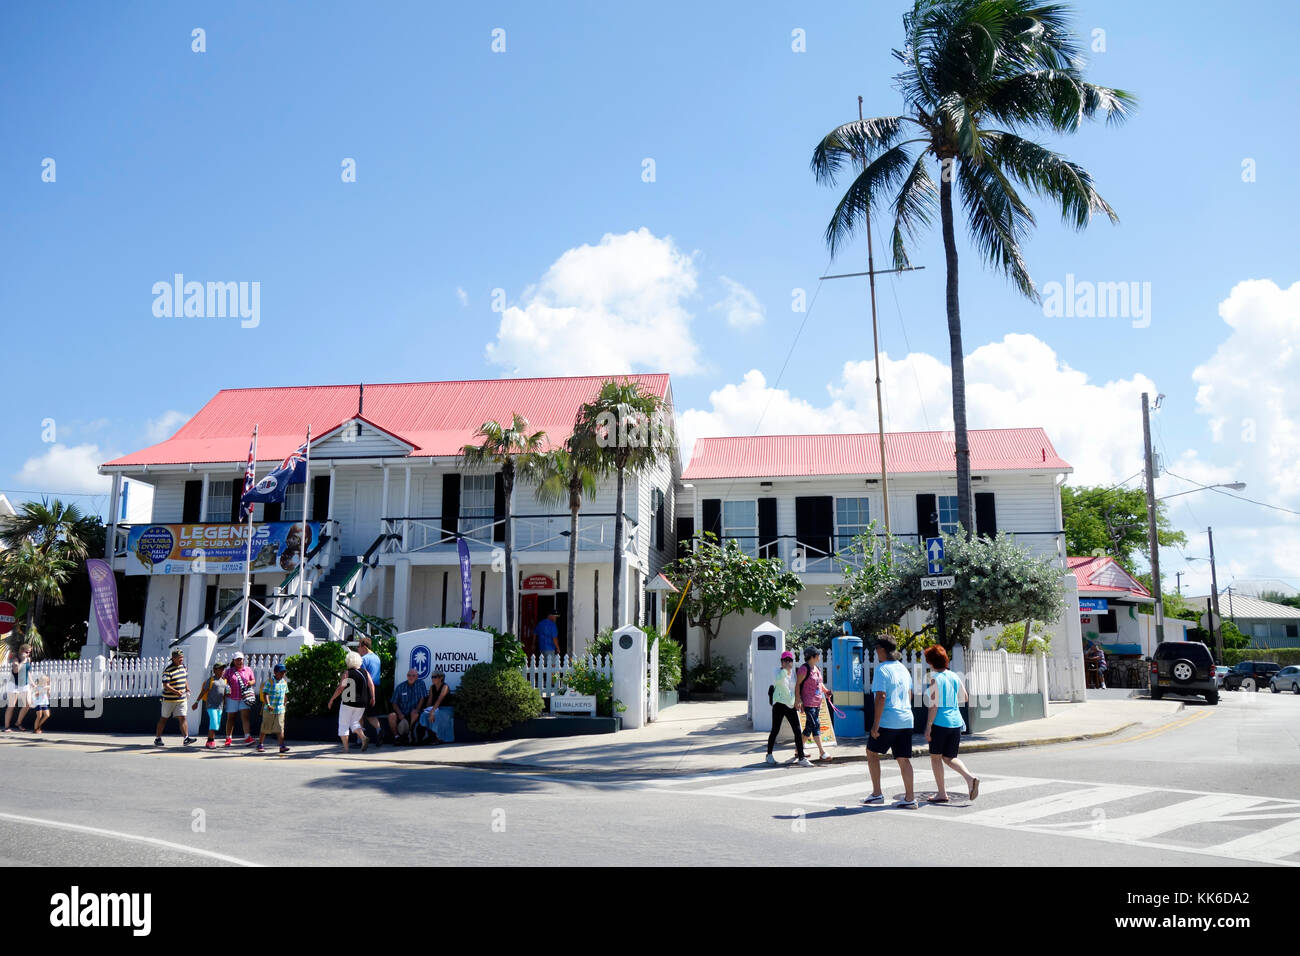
(783, 709)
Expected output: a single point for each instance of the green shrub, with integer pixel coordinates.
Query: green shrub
(817, 634)
(492, 698)
(1279, 655)
(312, 674)
(670, 654)
(585, 680)
(1012, 639)
(708, 679)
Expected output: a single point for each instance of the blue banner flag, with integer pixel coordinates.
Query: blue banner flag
(466, 585)
(292, 471)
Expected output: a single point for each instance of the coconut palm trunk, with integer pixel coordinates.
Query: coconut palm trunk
(961, 439)
(575, 504)
(508, 537)
(618, 549)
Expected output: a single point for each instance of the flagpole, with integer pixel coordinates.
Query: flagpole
(304, 615)
(248, 557)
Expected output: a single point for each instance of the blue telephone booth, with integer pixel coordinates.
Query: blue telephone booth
(846, 681)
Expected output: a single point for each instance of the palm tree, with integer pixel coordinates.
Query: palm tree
(512, 448)
(971, 66)
(624, 426)
(563, 477)
(45, 542)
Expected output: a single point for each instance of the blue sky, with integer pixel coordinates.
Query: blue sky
(479, 170)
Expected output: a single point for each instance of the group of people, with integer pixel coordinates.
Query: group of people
(416, 714)
(31, 693)
(228, 697)
(802, 692)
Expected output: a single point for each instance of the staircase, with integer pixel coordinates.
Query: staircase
(323, 592)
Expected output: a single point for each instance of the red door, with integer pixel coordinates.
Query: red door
(528, 623)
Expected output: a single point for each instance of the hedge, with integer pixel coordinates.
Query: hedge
(1279, 655)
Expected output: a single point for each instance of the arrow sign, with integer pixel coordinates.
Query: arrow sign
(934, 555)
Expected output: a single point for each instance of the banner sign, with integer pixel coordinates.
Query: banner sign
(103, 598)
(466, 584)
(215, 548)
(1093, 605)
(539, 582)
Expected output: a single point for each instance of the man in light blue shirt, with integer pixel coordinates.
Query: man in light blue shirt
(370, 661)
(548, 635)
(891, 729)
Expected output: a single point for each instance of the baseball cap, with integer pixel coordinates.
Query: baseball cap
(787, 655)
(278, 668)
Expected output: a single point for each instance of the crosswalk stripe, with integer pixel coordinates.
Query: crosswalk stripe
(1035, 809)
(711, 777)
(862, 787)
(1273, 844)
(1148, 823)
(765, 780)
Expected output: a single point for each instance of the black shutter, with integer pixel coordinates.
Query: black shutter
(927, 516)
(210, 602)
(499, 508)
(685, 531)
(658, 498)
(450, 505)
(236, 493)
(193, 506)
(271, 511)
(713, 516)
(767, 543)
(320, 498)
(814, 524)
(986, 515)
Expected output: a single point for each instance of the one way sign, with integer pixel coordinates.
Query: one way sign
(934, 555)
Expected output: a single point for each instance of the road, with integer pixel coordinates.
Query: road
(1209, 786)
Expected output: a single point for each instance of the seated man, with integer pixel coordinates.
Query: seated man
(437, 716)
(404, 710)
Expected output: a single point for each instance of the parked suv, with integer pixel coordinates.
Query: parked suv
(1250, 675)
(1185, 668)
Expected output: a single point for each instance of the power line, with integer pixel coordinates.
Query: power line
(1262, 504)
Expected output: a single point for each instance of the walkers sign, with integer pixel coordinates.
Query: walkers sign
(451, 650)
(215, 548)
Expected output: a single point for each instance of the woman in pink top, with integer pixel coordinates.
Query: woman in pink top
(240, 677)
(809, 697)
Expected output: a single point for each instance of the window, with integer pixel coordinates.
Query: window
(219, 504)
(293, 499)
(947, 506)
(1259, 630)
(477, 499)
(852, 515)
(740, 521)
(1293, 630)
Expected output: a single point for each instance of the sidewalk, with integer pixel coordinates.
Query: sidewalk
(691, 737)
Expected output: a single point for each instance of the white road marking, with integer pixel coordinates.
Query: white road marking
(766, 780)
(1270, 845)
(130, 837)
(1185, 813)
(1039, 807)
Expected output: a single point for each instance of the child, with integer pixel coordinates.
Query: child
(41, 701)
(274, 691)
(214, 693)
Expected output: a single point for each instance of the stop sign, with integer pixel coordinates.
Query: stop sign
(7, 614)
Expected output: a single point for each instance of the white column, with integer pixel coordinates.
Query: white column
(406, 509)
(203, 499)
(332, 484)
(402, 594)
(114, 506)
(630, 675)
(383, 507)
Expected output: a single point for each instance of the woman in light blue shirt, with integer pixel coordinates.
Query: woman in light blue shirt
(944, 697)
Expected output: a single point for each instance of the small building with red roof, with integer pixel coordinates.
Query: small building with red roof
(1116, 610)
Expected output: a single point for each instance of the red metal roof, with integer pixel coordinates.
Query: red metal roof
(437, 418)
(789, 456)
(1105, 574)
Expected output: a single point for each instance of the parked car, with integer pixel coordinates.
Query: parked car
(1288, 678)
(1220, 672)
(1250, 675)
(1184, 668)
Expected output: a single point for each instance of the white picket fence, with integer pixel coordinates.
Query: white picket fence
(1065, 678)
(102, 678)
(984, 672)
(545, 672)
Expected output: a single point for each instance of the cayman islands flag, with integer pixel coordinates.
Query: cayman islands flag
(291, 471)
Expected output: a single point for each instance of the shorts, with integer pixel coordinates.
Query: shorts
(214, 718)
(371, 711)
(234, 705)
(350, 719)
(897, 739)
(944, 741)
(41, 707)
(812, 721)
(173, 708)
(22, 696)
(272, 723)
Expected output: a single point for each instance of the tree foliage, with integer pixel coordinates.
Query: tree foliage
(1112, 522)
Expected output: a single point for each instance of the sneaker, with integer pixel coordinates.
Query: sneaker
(210, 745)
(771, 759)
(250, 739)
(803, 762)
(907, 804)
(261, 749)
(188, 740)
(874, 798)
(284, 750)
(228, 741)
(365, 742)
(157, 742)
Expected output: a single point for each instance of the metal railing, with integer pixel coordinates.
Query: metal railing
(532, 532)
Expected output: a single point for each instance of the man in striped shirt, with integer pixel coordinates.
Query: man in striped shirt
(175, 697)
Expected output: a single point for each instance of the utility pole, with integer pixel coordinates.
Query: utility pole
(1214, 600)
(1179, 576)
(1152, 543)
(871, 273)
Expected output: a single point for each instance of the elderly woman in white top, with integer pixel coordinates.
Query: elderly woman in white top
(356, 691)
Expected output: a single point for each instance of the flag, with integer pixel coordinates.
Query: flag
(103, 597)
(292, 471)
(246, 506)
(466, 585)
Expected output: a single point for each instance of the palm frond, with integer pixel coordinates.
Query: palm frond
(998, 219)
(1050, 176)
(914, 207)
(851, 142)
(869, 189)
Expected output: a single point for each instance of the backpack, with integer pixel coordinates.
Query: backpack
(771, 689)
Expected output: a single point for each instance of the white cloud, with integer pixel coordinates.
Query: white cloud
(64, 468)
(615, 307)
(462, 295)
(740, 306)
(164, 426)
(1249, 390)
(1017, 382)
